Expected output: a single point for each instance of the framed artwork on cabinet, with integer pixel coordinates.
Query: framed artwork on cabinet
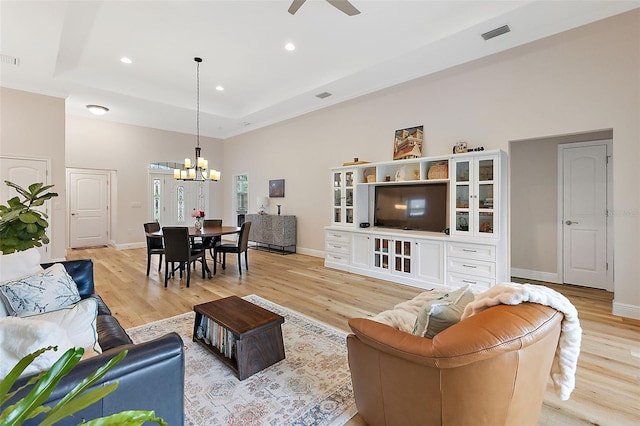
(408, 143)
(276, 188)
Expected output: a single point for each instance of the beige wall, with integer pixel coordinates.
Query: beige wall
(577, 81)
(32, 126)
(128, 150)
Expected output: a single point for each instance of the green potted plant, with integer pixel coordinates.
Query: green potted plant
(22, 227)
(78, 398)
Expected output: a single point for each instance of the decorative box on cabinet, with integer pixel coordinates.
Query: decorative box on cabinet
(273, 232)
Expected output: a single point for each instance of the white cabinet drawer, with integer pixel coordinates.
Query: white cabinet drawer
(472, 251)
(337, 247)
(339, 258)
(338, 236)
(459, 280)
(476, 268)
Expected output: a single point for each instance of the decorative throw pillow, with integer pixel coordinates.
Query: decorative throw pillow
(17, 265)
(79, 322)
(19, 338)
(436, 315)
(48, 290)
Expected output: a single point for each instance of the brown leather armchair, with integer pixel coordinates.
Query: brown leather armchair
(489, 369)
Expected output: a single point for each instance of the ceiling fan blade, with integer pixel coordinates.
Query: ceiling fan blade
(295, 6)
(344, 6)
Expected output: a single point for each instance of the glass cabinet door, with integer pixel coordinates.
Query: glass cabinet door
(402, 256)
(463, 198)
(343, 187)
(337, 197)
(484, 191)
(381, 252)
(348, 192)
(475, 188)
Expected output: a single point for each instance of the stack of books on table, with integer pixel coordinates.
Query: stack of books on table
(217, 336)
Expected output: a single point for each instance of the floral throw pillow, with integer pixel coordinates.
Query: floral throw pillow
(45, 291)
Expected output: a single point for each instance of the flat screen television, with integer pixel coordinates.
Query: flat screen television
(420, 207)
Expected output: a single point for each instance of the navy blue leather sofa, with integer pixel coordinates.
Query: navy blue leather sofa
(151, 377)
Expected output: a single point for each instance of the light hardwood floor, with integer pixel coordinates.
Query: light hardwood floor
(608, 377)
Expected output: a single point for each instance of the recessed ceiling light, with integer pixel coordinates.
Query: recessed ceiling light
(219, 88)
(290, 47)
(98, 109)
(126, 60)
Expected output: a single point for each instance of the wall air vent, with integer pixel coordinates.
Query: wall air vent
(323, 95)
(495, 33)
(9, 60)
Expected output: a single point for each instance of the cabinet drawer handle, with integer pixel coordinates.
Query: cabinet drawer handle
(469, 282)
(337, 247)
(469, 266)
(337, 235)
(470, 250)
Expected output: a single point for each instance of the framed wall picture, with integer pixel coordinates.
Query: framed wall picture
(408, 143)
(276, 188)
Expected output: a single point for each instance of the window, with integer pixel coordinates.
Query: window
(242, 193)
(180, 203)
(156, 199)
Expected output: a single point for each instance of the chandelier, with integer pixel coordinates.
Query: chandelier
(198, 170)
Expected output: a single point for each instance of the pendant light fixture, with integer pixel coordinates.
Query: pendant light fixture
(199, 169)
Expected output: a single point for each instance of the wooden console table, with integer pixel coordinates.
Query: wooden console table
(244, 336)
(273, 232)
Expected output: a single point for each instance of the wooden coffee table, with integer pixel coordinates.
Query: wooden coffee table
(244, 336)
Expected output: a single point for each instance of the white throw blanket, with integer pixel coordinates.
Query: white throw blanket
(566, 357)
(403, 315)
(19, 337)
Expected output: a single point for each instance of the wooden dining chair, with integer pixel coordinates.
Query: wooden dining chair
(239, 248)
(178, 249)
(209, 243)
(154, 244)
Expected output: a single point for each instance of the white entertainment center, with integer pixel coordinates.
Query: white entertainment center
(474, 252)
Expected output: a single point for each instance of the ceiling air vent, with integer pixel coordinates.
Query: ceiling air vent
(495, 33)
(9, 60)
(323, 95)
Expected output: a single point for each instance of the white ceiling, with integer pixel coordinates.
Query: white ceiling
(72, 49)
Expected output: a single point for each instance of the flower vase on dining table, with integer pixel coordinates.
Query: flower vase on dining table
(198, 224)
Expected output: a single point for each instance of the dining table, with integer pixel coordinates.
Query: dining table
(204, 232)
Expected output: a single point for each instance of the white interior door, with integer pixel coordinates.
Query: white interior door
(24, 172)
(584, 214)
(88, 207)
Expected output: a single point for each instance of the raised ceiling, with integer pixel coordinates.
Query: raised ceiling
(72, 49)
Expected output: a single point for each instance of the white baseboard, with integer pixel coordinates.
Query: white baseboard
(310, 252)
(130, 246)
(624, 310)
(550, 277)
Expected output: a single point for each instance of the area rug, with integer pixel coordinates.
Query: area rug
(311, 386)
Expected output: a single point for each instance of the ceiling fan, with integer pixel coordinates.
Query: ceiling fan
(342, 5)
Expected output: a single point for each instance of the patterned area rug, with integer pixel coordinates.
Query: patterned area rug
(311, 386)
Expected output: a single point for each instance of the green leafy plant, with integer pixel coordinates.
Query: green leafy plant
(21, 227)
(78, 398)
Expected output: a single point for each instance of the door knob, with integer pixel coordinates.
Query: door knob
(570, 223)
